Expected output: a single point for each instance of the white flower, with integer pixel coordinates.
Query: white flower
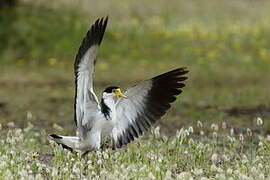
(54, 172)
(75, 170)
(165, 138)
(201, 133)
(237, 172)
(186, 133)
(151, 176)
(230, 139)
(249, 132)
(179, 133)
(27, 167)
(244, 159)
(190, 129)
(253, 170)
(268, 138)
(99, 162)
(11, 124)
(29, 127)
(259, 121)
(57, 127)
(229, 171)
(8, 174)
(191, 141)
(220, 176)
(213, 167)
(3, 164)
(23, 173)
(142, 168)
(105, 155)
(35, 154)
(29, 115)
(183, 133)
(184, 175)
(214, 127)
(241, 137)
(243, 177)
(204, 178)
(214, 134)
(224, 125)
(225, 158)
(232, 131)
(198, 172)
(199, 124)
(38, 177)
(168, 175)
(214, 157)
(261, 176)
(157, 131)
(219, 170)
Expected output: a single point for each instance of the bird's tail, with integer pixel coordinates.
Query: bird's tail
(67, 142)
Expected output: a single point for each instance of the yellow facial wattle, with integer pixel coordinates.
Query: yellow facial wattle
(119, 94)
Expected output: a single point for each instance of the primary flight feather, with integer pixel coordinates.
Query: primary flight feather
(119, 116)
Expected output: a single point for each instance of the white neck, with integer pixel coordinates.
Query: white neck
(109, 102)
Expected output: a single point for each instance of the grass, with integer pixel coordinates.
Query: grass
(25, 153)
(225, 45)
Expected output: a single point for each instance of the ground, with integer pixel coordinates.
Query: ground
(224, 45)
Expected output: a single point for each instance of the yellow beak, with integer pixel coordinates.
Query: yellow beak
(119, 94)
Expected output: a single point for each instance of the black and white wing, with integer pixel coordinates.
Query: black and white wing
(86, 103)
(146, 103)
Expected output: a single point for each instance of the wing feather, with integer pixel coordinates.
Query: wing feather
(146, 103)
(86, 104)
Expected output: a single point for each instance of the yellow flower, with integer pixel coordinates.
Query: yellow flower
(237, 45)
(33, 19)
(33, 53)
(52, 61)
(118, 36)
(263, 53)
(143, 62)
(20, 62)
(156, 21)
(103, 66)
(168, 33)
(212, 55)
(161, 65)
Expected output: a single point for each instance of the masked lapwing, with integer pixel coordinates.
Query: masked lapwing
(120, 116)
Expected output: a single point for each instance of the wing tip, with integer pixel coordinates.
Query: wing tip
(55, 136)
(101, 25)
(181, 70)
(93, 37)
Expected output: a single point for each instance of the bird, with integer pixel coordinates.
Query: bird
(120, 116)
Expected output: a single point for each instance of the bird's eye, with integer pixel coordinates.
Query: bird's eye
(114, 91)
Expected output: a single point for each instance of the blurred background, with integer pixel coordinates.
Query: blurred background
(225, 44)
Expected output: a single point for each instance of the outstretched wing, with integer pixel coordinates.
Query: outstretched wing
(86, 103)
(146, 103)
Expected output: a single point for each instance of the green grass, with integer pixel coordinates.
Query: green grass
(224, 44)
(25, 153)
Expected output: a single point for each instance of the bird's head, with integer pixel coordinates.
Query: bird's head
(113, 91)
